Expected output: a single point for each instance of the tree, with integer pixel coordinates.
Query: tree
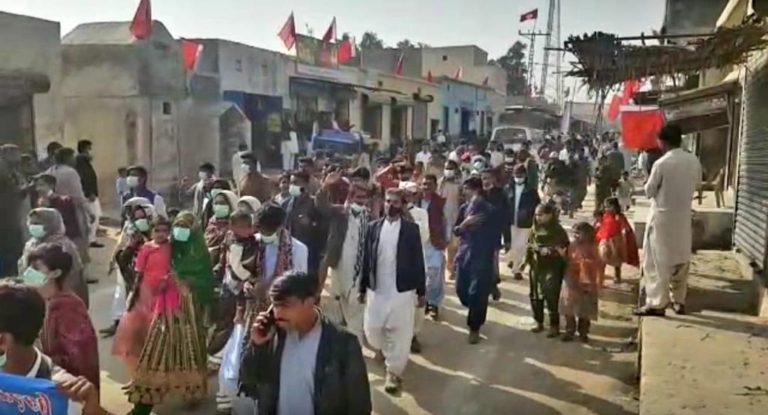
(405, 44)
(513, 62)
(371, 40)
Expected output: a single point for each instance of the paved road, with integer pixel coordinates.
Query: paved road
(510, 371)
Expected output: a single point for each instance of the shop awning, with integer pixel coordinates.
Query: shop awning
(702, 108)
(310, 87)
(384, 96)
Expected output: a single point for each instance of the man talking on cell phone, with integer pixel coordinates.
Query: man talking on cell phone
(297, 362)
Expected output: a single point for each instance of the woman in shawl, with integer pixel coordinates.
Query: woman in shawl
(224, 204)
(173, 358)
(45, 225)
(249, 204)
(67, 337)
(138, 214)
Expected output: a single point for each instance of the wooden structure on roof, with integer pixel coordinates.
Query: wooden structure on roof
(604, 61)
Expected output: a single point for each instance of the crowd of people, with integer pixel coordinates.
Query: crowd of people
(277, 284)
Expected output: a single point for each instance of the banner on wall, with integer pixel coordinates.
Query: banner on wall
(21, 395)
(315, 52)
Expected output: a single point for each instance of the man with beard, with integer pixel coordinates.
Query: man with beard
(393, 280)
(343, 257)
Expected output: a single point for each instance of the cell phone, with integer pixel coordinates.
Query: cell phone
(267, 326)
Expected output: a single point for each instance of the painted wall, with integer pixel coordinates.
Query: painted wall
(458, 96)
(410, 86)
(34, 45)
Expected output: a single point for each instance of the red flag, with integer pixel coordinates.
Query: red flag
(614, 109)
(288, 33)
(531, 15)
(347, 50)
(399, 64)
(141, 26)
(330, 34)
(190, 52)
(630, 89)
(429, 76)
(459, 73)
(640, 129)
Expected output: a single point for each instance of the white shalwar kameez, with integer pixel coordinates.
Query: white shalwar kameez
(343, 308)
(667, 241)
(421, 217)
(389, 315)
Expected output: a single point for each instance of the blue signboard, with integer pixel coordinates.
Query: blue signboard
(20, 395)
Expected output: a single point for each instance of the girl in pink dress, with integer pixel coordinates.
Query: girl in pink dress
(153, 266)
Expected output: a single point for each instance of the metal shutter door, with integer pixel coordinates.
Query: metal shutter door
(751, 227)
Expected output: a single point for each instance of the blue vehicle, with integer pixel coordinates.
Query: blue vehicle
(338, 145)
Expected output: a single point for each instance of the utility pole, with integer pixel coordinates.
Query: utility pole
(558, 57)
(554, 8)
(531, 36)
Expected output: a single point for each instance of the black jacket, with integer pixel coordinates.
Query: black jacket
(87, 175)
(341, 377)
(501, 211)
(529, 199)
(410, 258)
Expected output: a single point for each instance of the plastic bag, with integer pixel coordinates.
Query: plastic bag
(229, 373)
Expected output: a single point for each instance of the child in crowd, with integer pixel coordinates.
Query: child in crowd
(546, 256)
(217, 229)
(624, 191)
(68, 336)
(22, 317)
(579, 297)
(617, 244)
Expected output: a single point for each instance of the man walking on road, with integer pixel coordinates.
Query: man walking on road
(523, 199)
(393, 279)
(90, 184)
(667, 244)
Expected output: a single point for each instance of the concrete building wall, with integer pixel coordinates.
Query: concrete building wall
(445, 61)
(411, 86)
(252, 70)
(34, 45)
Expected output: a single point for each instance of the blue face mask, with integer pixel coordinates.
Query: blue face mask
(142, 225)
(34, 277)
(221, 211)
(36, 231)
(181, 234)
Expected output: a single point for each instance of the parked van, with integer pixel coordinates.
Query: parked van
(514, 136)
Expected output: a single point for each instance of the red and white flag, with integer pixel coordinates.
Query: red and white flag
(459, 73)
(288, 33)
(399, 64)
(429, 76)
(141, 26)
(531, 15)
(330, 34)
(190, 52)
(347, 50)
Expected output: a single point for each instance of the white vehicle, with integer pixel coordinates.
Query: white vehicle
(513, 136)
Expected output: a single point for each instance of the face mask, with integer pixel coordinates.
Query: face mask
(2, 360)
(132, 181)
(181, 234)
(34, 277)
(519, 180)
(479, 166)
(221, 211)
(246, 168)
(294, 190)
(269, 239)
(142, 225)
(215, 192)
(202, 175)
(37, 231)
(356, 208)
(449, 174)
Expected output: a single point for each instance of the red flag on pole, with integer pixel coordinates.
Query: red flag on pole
(614, 108)
(330, 34)
(429, 76)
(141, 26)
(630, 89)
(288, 33)
(531, 15)
(190, 52)
(640, 127)
(347, 50)
(459, 73)
(399, 64)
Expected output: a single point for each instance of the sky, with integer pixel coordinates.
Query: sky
(490, 24)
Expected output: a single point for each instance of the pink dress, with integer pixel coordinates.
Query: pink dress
(154, 262)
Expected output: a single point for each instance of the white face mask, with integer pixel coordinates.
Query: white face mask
(294, 190)
(246, 168)
(132, 181)
(356, 207)
(202, 175)
(449, 174)
(269, 239)
(519, 180)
